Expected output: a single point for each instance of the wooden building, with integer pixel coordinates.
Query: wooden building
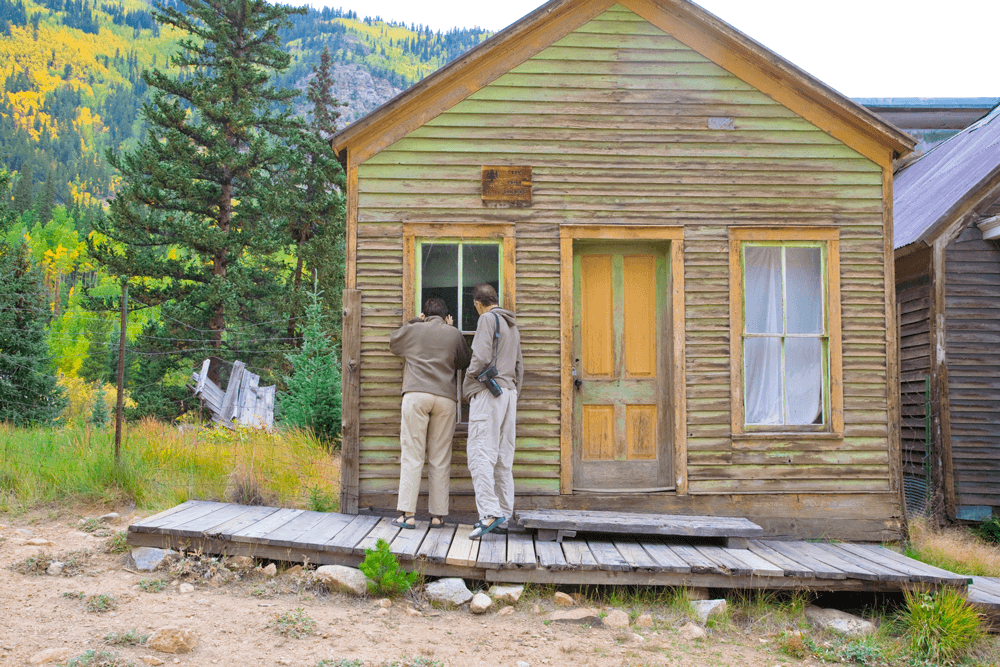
(948, 289)
(696, 237)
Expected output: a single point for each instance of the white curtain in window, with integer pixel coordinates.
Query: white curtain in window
(804, 356)
(762, 356)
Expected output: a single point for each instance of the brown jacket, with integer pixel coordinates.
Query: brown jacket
(433, 351)
(510, 366)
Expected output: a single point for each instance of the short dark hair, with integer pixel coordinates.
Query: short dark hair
(435, 306)
(485, 294)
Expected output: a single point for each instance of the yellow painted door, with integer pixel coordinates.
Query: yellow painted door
(620, 430)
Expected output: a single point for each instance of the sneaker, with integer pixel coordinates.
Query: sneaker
(500, 530)
(485, 527)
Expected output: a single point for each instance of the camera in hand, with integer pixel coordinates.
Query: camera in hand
(486, 377)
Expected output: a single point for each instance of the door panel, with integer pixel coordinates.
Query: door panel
(620, 293)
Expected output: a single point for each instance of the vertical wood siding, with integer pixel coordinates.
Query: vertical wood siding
(614, 121)
(913, 298)
(972, 304)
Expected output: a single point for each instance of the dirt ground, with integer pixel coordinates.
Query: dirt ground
(41, 611)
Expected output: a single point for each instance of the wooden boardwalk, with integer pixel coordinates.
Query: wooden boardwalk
(326, 538)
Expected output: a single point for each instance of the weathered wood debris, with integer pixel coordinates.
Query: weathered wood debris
(243, 403)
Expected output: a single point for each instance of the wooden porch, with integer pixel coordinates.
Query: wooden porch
(522, 557)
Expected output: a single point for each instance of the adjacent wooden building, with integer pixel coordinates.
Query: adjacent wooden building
(948, 288)
(696, 237)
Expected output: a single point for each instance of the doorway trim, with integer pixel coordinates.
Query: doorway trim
(678, 396)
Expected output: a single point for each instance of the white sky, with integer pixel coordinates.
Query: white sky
(863, 48)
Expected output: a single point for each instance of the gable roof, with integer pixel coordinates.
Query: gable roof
(938, 189)
(698, 29)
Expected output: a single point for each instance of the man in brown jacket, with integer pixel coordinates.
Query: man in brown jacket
(493, 410)
(433, 350)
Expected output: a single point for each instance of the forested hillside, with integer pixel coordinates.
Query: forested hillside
(71, 93)
(70, 83)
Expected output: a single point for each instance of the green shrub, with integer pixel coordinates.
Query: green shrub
(131, 638)
(152, 585)
(941, 627)
(94, 658)
(322, 501)
(100, 603)
(989, 531)
(384, 576)
(339, 662)
(117, 543)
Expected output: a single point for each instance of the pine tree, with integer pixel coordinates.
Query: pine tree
(313, 399)
(199, 215)
(28, 390)
(23, 190)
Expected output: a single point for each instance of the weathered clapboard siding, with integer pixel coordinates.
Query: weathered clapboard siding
(613, 119)
(972, 306)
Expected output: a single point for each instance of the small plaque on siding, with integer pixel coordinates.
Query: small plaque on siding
(721, 123)
(507, 185)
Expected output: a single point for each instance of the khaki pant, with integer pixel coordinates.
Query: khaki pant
(427, 428)
(491, 452)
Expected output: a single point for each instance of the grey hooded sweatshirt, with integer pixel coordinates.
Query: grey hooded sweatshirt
(510, 366)
(433, 351)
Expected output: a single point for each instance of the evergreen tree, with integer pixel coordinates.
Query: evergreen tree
(317, 216)
(99, 413)
(198, 213)
(23, 190)
(313, 399)
(46, 198)
(98, 366)
(28, 390)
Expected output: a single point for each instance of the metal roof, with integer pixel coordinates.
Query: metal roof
(930, 189)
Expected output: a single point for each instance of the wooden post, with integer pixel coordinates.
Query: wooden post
(351, 425)
(121, 372)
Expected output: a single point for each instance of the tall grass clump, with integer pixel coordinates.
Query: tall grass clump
(957, 550)
(940, 627)
(159, 466)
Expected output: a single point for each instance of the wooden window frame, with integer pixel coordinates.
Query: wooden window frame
(617, 232)
(829, 237)
(414, 232)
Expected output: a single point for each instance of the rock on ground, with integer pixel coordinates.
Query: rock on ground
(563, 600)
(506, 593)
(579, 616)
(616, 618)
(481, 602)
(51, 655)
(644, 621)
(172, 639)
(705, 609)
(150, 559)
(342, 579)
(838, 621)
(690, 632)
(450, 592)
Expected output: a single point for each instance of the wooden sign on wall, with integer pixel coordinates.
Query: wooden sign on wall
(507, 185)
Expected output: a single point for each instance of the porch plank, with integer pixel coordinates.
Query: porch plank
(944, 575)
(464, 552)
(578, 555)
(790, 567)
(666, 558)
(643, 524)
(347, 538)
(408, 542)
(759, 567)
(987, 585)
(203, 508)
(819, 569)
(204, 525)
(635, 556)
(492, 551)
(550, 556)
(850, 567)
(308, 530)
(383, 530)
(151, 522)
(872, 556)
(521, 551)
(435, 546)
(607, 556)
(264, 526)
(696, 560)
(228, 529)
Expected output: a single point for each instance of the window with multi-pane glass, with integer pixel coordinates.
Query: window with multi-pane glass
(450, 270)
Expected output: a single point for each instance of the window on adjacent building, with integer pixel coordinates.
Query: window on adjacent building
(786, 332)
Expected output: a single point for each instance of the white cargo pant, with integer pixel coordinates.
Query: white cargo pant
(427, 428)
(491, 452)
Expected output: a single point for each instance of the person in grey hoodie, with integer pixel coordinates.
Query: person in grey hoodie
(433, 350)
(493, 410)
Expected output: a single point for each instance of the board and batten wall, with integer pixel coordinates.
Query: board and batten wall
(972, 337)
(614, 120)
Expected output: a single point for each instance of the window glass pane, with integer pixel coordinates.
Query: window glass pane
(480, 264)
(762, 289)
(804, 277)
(804, 380)
(762, 370)
(439, 274)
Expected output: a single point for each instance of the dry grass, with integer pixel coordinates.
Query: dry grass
(954, 549)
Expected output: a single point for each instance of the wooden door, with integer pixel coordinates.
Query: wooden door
(620, 323)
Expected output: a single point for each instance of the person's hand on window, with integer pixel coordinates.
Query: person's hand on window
(448, 320)
(422, 317)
